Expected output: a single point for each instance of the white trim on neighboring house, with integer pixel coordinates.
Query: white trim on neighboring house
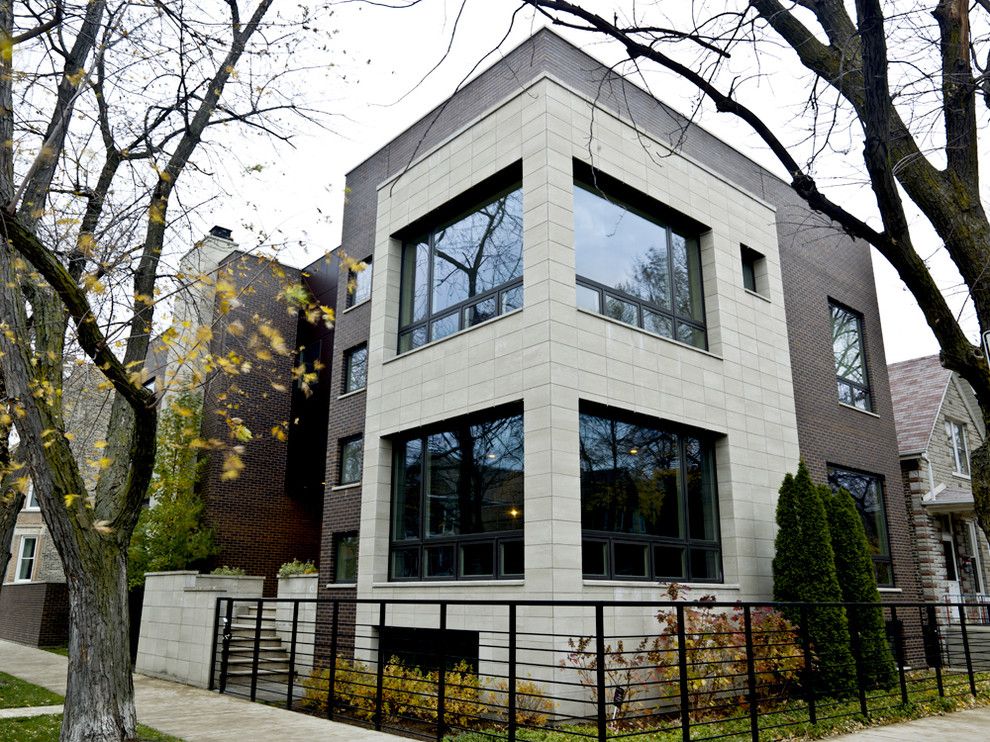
(974, 540)
(19, 566)
(938, 412)
(30, 502)
(975, 417)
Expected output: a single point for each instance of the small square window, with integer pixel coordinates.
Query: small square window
(359, 283)
(351, 460)
(753, 270)
(355, 368)
(345, 557)
(26, 558)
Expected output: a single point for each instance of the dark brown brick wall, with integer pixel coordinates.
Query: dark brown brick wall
(259, 524)
(35, 613)
(818, 262)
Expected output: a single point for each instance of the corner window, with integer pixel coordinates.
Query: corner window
(359, 283)
(26, 558)
(355, 368)
(633, 266)
(754, 268)
(351, 460)
(649, 508)
(959, 441)
(850, 358)
(345, 556)
(462, 271)
(867, 491)
(457, 501)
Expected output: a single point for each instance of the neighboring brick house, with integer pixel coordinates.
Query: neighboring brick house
(938, 425)
(548, 282)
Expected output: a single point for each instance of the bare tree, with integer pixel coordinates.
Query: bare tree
(914, 110)
(103, 112)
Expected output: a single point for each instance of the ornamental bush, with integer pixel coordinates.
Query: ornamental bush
(857, 577)
(804, 571)
(296, 567)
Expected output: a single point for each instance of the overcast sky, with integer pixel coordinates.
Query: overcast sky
(375, 90)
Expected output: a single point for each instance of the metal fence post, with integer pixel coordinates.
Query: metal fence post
(257, 650)
(754, 707)
(966, 651)
(899, 654)
(225, 647)
(600, 670)
(512, 672)
(332, 676)
(213, 646)
(934, 633)
(682, 667)
(442, 676)
(809, 672)
(292, 655)
(380, 671)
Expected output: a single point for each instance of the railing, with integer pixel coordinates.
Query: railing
(695, 670)
(977, 611)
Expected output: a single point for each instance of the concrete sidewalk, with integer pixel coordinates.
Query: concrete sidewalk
(192, 714)
(972, 725)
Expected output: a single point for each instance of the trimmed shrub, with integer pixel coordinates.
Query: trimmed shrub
(804, 571)
(857, 578)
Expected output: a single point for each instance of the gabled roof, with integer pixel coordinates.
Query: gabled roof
(917, 388)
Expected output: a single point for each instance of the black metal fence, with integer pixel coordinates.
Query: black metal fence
(581, 669)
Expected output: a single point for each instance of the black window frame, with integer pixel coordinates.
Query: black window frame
(626, 197)
(344, 443)
(752, 261)
(885, 559)
(498, 540)
(426, 229)
(688, 545)
(348, 361)
(353, 283)
(338, 540)
(864, 386)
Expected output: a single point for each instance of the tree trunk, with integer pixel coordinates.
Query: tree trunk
(99, 699)
(979, 464)
(10, 506)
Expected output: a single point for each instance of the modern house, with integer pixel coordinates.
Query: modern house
(580, 360)
(938, 424)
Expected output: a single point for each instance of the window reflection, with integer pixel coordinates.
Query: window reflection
(867, 492)
(850, 363)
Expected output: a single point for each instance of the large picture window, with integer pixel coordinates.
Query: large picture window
(634, 267)
(867, 491)
(463, 271)
(850, 360)
(649, 507)
(457, 501)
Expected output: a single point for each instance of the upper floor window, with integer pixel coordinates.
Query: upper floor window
(463, 270)
(351, 459)
(355, 368)
(26, 558)
(649, 508)
(457, 501)
(959, 441)
(359, 283)
(634, 266)
(30, 501)
(850, 358)
(754, 269)
(867, 491)
(345, 557)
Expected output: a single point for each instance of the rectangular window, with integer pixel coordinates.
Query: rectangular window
(30, 501)
(457, 501)
(850, 358)
(649, 507)
(959, 440)
(26, 558)
(753, 269)
(345, 557)
(867, 491)
(462, 271)
(355, 368)
(351, 459)
(634, 267)
(359, 283)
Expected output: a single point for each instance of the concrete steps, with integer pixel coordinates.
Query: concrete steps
(273, 658)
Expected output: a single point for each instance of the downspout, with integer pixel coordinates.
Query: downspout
(931, 473)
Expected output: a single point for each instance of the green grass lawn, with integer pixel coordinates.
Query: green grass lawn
(15, 693)
(60, 650)
(46, 729)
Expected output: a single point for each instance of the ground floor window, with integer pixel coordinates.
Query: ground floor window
(649, 506)
(867, 490)
(457, 500)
